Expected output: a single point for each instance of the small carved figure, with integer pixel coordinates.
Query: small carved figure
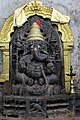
(52, 77)
(38, 108)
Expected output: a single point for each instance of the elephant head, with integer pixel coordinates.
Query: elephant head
(37, 40)
(39, 53)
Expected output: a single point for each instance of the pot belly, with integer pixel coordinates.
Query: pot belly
(34, 72)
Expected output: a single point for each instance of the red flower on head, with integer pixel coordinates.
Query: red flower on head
(38, 22)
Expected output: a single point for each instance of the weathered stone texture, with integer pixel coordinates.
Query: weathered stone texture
(67, 7)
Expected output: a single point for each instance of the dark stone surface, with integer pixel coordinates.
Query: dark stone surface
(36, 71)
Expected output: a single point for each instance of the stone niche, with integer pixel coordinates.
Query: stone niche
(35, 44)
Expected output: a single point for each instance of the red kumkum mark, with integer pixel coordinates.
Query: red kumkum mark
(38, 22)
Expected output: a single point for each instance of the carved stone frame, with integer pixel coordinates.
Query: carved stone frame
(30, 9)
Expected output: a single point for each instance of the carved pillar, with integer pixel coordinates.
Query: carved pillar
(67, 39)
(5, 71)
(67, 65)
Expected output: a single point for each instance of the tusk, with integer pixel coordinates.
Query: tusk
(45, 52)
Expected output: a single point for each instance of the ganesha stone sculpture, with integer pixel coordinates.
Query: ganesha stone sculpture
(36, 68)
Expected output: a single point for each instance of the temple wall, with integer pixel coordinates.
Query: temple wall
(67, 7)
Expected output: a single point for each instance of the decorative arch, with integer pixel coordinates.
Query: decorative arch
(19, 17)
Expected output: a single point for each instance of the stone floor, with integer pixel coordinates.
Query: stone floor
(59, 117)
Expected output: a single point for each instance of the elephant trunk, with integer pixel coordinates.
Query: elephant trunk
(38, 55)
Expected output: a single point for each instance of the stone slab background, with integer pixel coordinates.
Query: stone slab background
(67, 7)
